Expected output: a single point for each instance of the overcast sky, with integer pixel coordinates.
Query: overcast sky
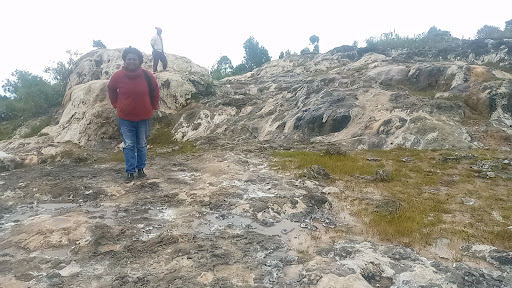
(36, 33)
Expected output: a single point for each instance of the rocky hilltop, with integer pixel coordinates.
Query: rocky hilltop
(346, 97)
(375, 101)
(235, 213)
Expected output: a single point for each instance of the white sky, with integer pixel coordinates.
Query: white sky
(36, 33)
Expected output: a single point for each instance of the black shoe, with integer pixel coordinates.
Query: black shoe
(141, 174)
(129, 178)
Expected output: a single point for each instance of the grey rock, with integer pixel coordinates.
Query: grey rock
(316, 172)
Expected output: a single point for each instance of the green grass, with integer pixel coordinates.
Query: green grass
(116, 157)
(7, 128)
(429, 192)
(162, 142)
(40, 125)
(336, 165)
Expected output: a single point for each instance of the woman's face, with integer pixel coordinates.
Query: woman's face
(132, 62)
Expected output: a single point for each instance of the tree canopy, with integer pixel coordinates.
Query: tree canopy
(61, 72)
(314, 39)
(31, 95)
(255, 55)
(98, 44)
(488, 31)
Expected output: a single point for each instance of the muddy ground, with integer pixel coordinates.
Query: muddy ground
(214, 219)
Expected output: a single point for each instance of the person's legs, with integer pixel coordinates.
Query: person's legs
(128, 130)
(164, 60)
(156, 58)
(142, 143)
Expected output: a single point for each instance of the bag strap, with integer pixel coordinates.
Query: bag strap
(150, 85)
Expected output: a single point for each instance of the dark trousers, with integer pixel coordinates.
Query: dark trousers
(159, 56)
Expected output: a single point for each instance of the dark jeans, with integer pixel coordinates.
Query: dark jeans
(135, 135)
(159, 56)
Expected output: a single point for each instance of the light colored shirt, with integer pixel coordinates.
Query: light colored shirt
(156, 43)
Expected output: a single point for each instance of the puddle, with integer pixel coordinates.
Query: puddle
(216, 223)
(105, 214)
(25, 212)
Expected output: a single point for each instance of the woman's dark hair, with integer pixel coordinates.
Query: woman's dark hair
(131, 50)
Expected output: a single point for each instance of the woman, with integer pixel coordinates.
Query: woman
(129, 92)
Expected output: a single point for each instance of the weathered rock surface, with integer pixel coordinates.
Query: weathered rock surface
(87, 115)
(374, 102)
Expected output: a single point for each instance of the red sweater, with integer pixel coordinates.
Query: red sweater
(129, 94)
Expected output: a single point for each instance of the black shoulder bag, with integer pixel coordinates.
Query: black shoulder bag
(150, 85)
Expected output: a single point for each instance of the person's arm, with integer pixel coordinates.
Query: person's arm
(153, 40)
(155, 101)
(113, 90)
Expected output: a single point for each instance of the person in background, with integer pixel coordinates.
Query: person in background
(158, 50)
(134, 93)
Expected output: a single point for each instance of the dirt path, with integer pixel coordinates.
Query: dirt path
(216, 219)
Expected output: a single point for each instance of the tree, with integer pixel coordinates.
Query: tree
(240, 69)
(222, 68)
(224, 65)
(255, 55)
(355, 44)
(314, 39)
(32, 95)
(508, 25)
(488, 31)
(508, 28)
(305, 51)
(281, 55)
(98, 44)
(288, 53)
(316, 49)
(62, 70)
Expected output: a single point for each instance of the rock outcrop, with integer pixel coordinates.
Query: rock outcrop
(377, 101)
(343, 98)
(87, 115)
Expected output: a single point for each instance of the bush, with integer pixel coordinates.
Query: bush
(40, 125)
(32, 95)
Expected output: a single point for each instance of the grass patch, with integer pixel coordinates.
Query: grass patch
(162, 142)
(426, 190)
(116, 157)
(40, 125)
(7, 128)
(429, 94)
(336, 165)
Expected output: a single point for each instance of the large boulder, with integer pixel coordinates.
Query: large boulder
(87, 115)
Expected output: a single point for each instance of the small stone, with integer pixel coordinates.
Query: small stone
(331, 190)
(53, 275)
(487, 175)
(468, 201)
(316, 172)
(407, 160)
(382, 175)
(373, 159)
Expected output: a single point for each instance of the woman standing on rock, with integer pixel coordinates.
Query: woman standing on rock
(135, 94)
